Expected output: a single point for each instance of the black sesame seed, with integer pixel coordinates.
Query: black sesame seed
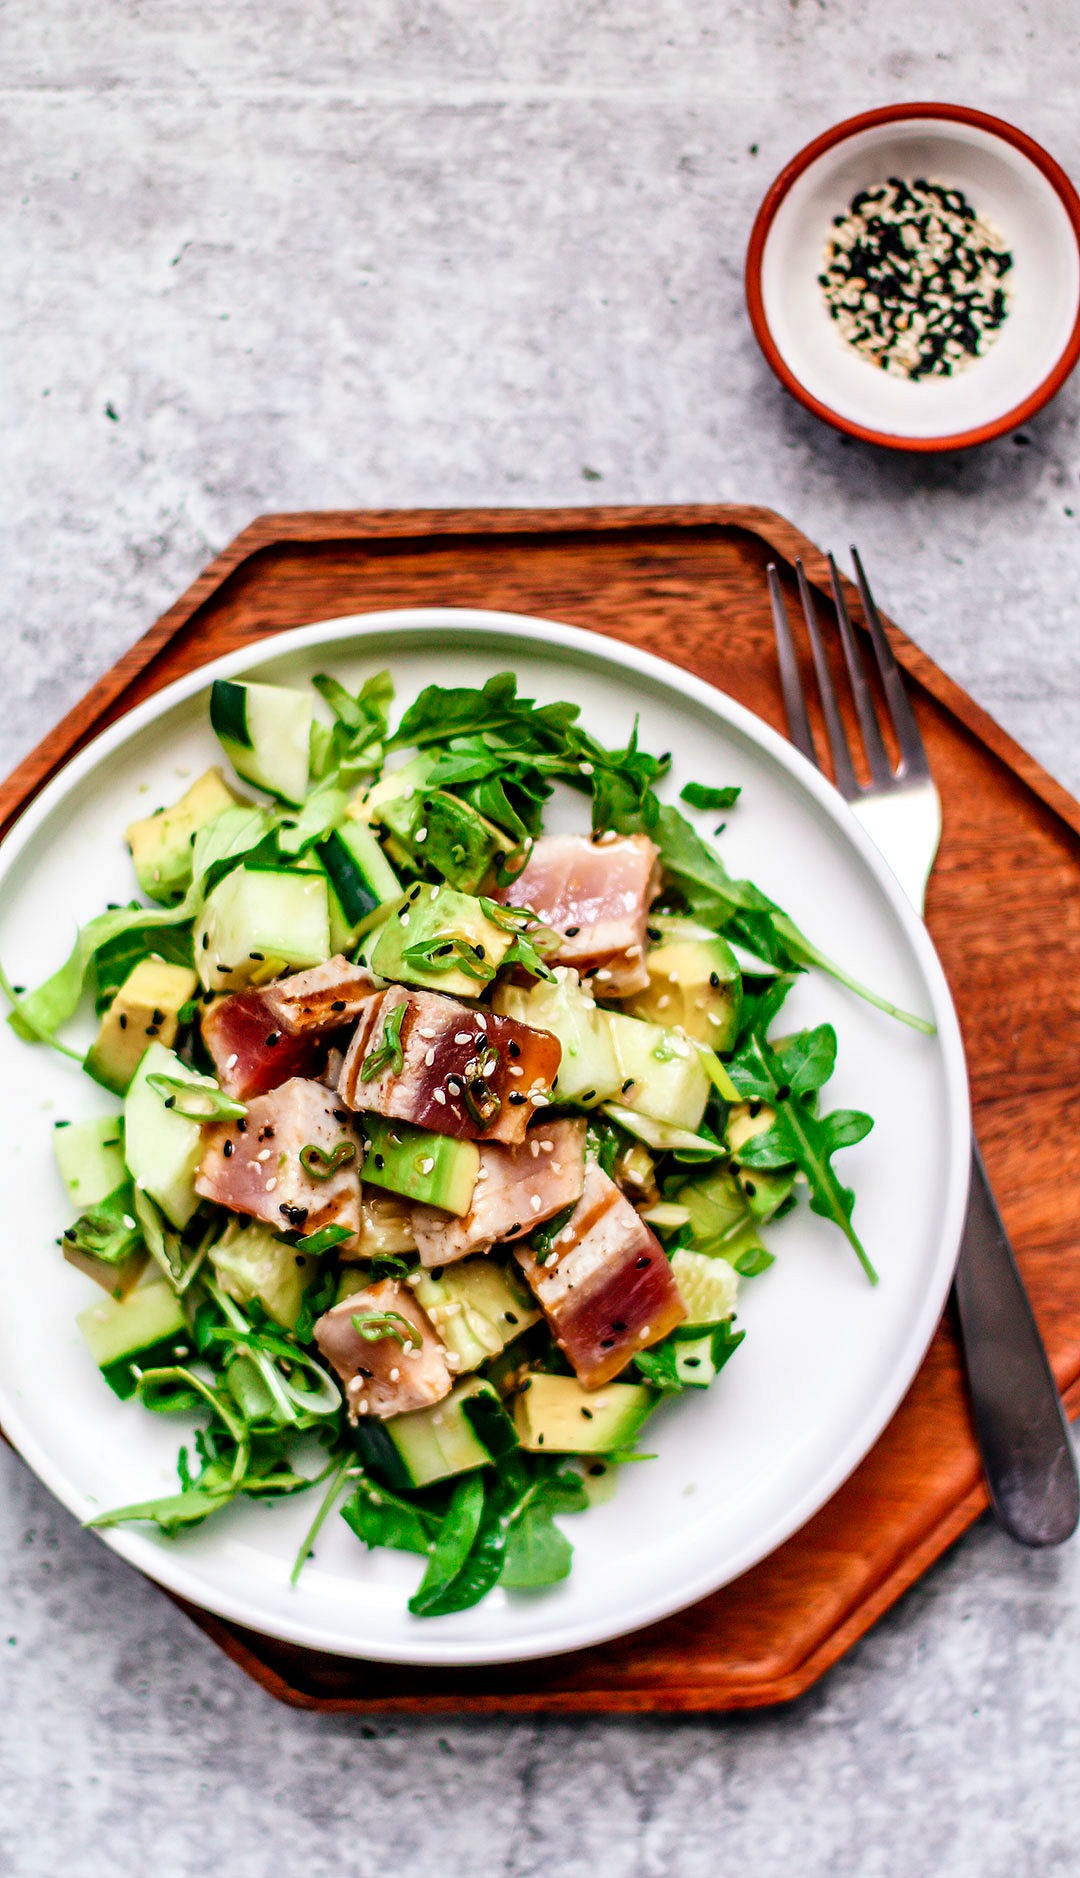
(338, 1004)
(227, 1150)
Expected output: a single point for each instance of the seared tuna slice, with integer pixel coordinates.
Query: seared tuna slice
(390, 1360)
(252, 1052)
(435, 1062)
(516, 1189)
(605, 1285)
(322, 999)
(254, 1165)
(596, 894)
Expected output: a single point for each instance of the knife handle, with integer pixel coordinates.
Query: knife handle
(1027, 1450)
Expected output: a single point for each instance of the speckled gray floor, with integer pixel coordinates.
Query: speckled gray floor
(290, 255)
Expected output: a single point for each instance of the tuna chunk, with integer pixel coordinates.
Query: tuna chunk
(322, 999)
(253, 1165)
(516, 1189)
(252, 1052)
(605, 1286)
(596, 894)
(462, 1072)
(384, 1374)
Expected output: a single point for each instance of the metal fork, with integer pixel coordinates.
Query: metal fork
(1027, 1453)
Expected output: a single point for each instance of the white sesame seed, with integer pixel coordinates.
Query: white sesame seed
(429, 1058)
(435, 892)
(644, 1331)
(633, 952)
(129, 1222)
(363, 1407)
(662, 1003)
(535, 1202)
(463, 1036)
(516, 1069)
(534, 1150)
(603, 973)
(232, 1061)
(412, 1351)
(541, 1101)
(439, 1097)
(263, 1155)
(547, 1147)
(395, 1375)
(407, 1346)
(271, 1183)
(427, 1164)
(481, 1020)
(556, 1166)
(586, 769)
(404, 919)
(420, 835)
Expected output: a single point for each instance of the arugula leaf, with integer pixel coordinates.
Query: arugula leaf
(787, 1076)
(441, 713)
(456, 1537)
(701, 796)
(380, 1517)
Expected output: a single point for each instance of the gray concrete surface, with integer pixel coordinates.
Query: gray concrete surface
(311, 254)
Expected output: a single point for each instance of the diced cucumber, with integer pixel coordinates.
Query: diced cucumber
(589, 1071)
(265, 731)
(476, 1306)
(360, 875)
(434, 1170)
(469, 1429)
(436, 918)
(256, 923)
(385, 1226)
(253, 1264)
(106, 1242)
(709, 1287)
(555, 1415)
(145, 1330)
(147, 1005)
(162, 1147)
(90, 1156)
(161, 844)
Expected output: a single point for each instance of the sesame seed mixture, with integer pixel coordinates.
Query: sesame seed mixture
(915, 278)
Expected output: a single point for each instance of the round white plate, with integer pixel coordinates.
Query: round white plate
(1007, 178)
(826, 1358)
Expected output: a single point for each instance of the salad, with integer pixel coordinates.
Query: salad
(443, 1143)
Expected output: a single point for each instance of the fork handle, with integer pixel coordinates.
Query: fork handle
(1024, 1438)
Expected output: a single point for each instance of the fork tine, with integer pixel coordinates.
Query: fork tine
(790, 682)
(876, 754)
(913, 758)
(844, 769)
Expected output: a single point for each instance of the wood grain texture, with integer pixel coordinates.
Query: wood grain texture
(1004, 910)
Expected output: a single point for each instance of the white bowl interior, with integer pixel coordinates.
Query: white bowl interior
(826, 1359)
(1044, 283)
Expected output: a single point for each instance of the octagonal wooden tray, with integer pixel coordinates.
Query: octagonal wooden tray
(1004, 909)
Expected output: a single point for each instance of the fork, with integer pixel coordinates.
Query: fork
(1027, 1453)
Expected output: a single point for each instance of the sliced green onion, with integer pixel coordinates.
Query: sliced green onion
(197, 1102)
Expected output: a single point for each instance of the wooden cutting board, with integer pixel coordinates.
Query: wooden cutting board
(1004, 910)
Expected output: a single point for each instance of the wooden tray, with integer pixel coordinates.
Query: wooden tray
(1004, 909)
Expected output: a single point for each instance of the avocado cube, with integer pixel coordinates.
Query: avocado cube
(433, 1170)
(106, 1242)
(555, 1415)
(477, 1307)
(147, 1006)
(161, 843)
(694, 983)
(441, 940)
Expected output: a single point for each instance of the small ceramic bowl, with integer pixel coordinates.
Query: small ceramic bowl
(1008, 178)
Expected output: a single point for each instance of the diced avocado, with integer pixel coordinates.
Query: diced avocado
(661, 1073)
(694, 983)
(147, 1005)
(106, 1242)
(477, 1307)
(161, 844)
(361, 880)
(265, 731)
(469, 1429)
(434, 1170)
(555, 1415)
(163, 1148)
(255, 924)
(764, 1188)
(450, 927)
(589, 1071)
(253, 1264)
(145, 1330)
(90, 1156)
(433, 828)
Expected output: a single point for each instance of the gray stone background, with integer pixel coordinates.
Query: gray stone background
(305, 253)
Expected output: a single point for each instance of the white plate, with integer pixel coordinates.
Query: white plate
(826, 1358)
(1010, 180)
